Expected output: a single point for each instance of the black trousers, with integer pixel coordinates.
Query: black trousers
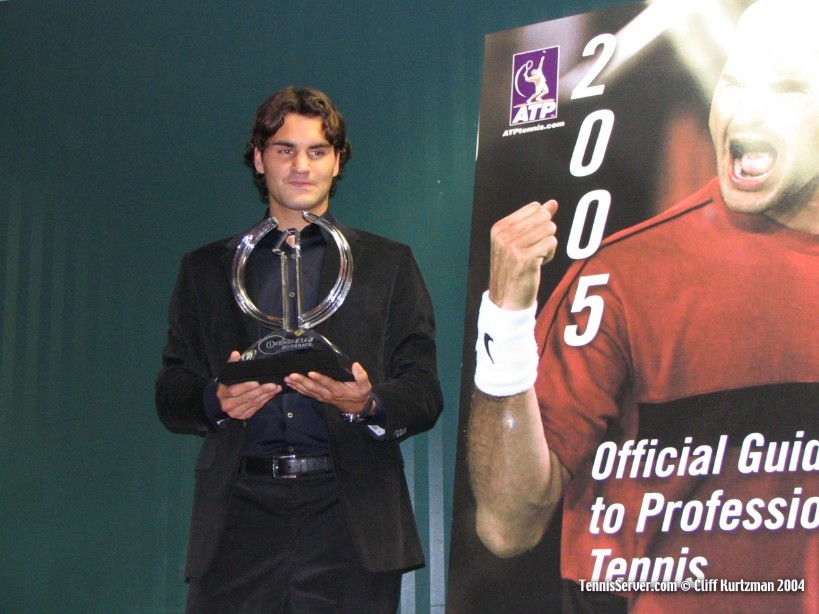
(286, 548)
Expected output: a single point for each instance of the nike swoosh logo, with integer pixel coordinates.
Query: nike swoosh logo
(486, 339)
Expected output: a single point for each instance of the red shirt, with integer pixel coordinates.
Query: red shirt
(709, 331)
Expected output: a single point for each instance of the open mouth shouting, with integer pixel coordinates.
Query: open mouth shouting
(752, 163)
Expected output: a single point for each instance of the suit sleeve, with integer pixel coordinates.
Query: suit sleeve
(411, 394)
(181, 382)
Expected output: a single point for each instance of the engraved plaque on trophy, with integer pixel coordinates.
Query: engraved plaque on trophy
(291, 346)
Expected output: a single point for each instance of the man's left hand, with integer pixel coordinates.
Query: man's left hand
(348, 397)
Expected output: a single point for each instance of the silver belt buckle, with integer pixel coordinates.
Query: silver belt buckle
(275, 467)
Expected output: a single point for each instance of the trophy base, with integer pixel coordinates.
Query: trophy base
(281, 353)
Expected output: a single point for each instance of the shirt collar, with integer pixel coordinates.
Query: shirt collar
(310, 234)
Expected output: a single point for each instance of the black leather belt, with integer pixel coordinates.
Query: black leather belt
(290, 466)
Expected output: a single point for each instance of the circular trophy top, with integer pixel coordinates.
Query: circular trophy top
(320, 312)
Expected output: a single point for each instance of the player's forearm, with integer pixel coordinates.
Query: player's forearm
(517, 482)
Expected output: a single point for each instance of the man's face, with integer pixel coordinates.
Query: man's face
(765, 119)
(298, 165)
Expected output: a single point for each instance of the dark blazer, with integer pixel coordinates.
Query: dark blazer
(386, 323)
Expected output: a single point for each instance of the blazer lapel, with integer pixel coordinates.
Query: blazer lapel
(246, 328)
(330, 267)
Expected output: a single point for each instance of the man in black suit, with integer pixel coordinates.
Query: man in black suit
(301, 502)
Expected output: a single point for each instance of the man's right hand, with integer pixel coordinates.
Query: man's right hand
(521, 243)
(241, 401)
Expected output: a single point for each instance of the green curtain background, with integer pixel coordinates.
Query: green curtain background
(123, 126)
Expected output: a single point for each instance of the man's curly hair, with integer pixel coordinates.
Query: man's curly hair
(301, 101)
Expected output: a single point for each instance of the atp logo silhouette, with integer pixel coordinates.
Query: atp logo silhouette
(534, 86)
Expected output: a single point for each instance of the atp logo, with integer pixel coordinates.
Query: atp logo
(534, 85)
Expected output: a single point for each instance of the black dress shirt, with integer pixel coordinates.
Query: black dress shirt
(290, 423)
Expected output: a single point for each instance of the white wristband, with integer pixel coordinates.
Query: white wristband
(506, 350)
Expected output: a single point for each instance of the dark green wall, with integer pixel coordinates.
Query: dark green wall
(122, 130)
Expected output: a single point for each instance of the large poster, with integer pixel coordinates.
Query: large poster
(696, 480)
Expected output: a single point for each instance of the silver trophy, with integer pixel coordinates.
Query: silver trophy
(291, 346)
